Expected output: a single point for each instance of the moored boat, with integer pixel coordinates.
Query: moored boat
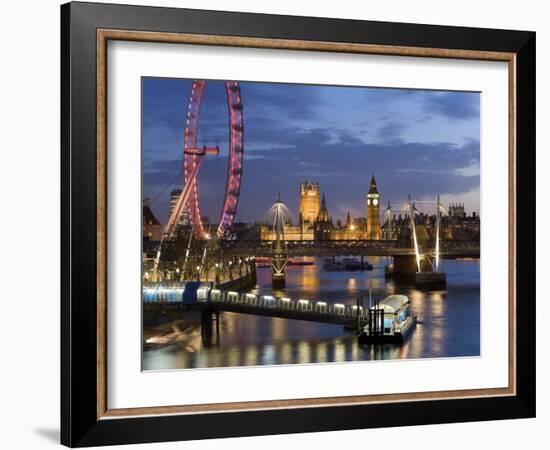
(299, 262)
(389, 321)
(346, 265)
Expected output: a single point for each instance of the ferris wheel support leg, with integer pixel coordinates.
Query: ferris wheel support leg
(176, 214)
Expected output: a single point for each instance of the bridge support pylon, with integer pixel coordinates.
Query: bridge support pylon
(431, 280)
(280, 254)
(278, 277)
(404, 265)
(207, 328)
(404, 270)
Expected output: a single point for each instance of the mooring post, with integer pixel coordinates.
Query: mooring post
(359, 303)
(370, 294)
(370, 323)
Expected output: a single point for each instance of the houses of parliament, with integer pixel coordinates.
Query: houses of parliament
(315, 222)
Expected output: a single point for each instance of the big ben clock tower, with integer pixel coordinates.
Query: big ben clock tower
(373, 212)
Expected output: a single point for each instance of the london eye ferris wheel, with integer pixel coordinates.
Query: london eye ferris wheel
(193, 157)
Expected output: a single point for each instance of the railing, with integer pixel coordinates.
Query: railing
(283, 304)
(403, 325)
(374, 247)
(166, 292)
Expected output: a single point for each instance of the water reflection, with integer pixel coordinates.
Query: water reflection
(448, 323)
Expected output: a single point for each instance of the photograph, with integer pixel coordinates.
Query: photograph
(307, 224)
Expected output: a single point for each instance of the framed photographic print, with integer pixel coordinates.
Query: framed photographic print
(277, 224)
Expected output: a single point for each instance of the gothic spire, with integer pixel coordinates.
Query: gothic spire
(323, 211)
(373, 189)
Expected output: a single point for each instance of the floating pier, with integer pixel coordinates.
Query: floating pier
(389, 321)
(380, 337)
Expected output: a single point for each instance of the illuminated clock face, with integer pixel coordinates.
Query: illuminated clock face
(375, 202)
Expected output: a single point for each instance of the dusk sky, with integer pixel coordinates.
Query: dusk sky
(414, 141)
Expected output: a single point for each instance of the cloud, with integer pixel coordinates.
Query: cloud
(391, 132)
(348, 137)
(423, 104)
(343, 171)
(424, 119)
(453, 105)
(164, 102)
(344, 168)
(297, 102)
(293, 133)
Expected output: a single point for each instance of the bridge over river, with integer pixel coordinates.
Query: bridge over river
(260, 248)
(283, 307)
(211, 301)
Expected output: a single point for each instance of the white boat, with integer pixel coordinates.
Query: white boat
(389, 321)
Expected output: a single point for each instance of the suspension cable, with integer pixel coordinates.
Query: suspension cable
(178, 175)
(164, 173)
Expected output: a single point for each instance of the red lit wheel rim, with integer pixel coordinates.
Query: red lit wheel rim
(235, 163)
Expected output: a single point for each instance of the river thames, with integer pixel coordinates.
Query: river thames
(448, 323)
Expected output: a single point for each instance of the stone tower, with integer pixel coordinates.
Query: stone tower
(309, 203)
(323, 223)
(323, 215)
(373, 212)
